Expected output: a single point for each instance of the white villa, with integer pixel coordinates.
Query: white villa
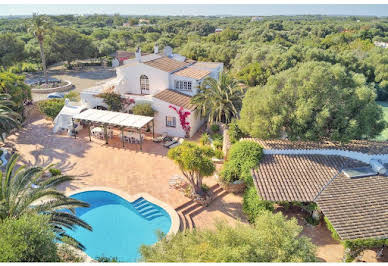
(165, 80)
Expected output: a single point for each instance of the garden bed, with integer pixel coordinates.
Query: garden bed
(57, 86)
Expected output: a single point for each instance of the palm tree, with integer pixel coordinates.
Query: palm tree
(39, 27)
(25, 190)
(219, 101)
(9, 119)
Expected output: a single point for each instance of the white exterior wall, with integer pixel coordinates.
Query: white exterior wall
(90, 100)
(194, 84)
(163, 110)
(129, 76)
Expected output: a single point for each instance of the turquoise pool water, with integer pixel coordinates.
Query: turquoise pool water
(119, 227)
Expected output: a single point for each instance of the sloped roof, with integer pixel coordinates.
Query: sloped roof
(364, 146)
(357, 208)
(192, 72)
(297, 177)
(175, 98)
(166, 64)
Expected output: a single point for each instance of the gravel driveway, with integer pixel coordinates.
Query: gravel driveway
(81, 79)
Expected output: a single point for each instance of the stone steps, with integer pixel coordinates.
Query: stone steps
(189, 209)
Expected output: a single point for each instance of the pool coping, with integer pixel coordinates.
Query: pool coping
(175, 221)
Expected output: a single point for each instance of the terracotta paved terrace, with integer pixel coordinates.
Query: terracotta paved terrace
(98, 164)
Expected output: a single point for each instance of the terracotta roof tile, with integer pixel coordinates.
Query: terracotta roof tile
(364, 146)
(358, 207)
(297, 177)
(176, 98)
(192, 72)
(166, 64)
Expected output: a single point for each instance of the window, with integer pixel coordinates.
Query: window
(144, 84)
(183, 85)
(170, 121)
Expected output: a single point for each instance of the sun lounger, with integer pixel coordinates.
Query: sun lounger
(169, 143)
(160, 138)
(180, 141)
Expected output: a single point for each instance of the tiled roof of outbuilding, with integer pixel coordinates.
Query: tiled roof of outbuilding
(364, 146)
(358, 207)
(296, 177)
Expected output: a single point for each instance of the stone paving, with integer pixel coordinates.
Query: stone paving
(132, 171)
(128, 169)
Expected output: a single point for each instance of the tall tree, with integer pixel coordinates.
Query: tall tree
(11, 49)
(68, 45)
(39, 27)
(194, 162)
(219, 100)
(28, 190)
(313, 101)
(273, 238)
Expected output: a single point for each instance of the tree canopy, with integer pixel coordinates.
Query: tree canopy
(273, 238)
(312, 101)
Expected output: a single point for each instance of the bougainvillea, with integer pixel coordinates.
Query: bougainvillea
(182, 117)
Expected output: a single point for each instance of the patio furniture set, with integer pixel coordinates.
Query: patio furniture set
(168, 142)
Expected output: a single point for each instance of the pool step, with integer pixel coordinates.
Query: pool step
(145, 209)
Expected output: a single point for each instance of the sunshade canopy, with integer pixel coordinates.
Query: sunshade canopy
(114, 118)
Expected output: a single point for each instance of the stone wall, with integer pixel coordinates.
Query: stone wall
(66, 87)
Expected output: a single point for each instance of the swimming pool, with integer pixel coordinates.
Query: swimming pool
(120, 227)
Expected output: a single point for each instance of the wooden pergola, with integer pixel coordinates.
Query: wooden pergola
(106, 119)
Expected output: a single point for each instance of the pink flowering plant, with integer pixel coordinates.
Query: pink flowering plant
(182, 117)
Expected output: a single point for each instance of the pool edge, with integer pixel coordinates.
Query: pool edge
(175, 221)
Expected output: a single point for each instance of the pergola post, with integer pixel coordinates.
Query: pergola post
(73, 129)
(105, 134)
(153, 129)
(141, 141)
(90, 133)
(122, 136)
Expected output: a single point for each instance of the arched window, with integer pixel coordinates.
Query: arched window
(144, 84)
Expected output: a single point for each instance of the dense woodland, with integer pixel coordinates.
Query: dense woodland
(253, 52)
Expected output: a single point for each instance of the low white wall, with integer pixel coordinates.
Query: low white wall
(349, 154)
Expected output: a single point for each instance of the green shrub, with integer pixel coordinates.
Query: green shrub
(253, 205)
(273, 238)
(235, 133)
(51, 107)
(214, 128)
(356, 246)
(24, 67)
(73, 96)
(219, 154)
(217, 136)
(204, 140)
(67, 253)
(27, 239)
(107, 259)
(55, 171)
(229, 173)
(143, 109)
(113, 100)
(217, 144)
(242, 157)
(330, 227)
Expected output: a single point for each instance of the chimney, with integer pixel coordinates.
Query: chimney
(138, 54)
(156, 48)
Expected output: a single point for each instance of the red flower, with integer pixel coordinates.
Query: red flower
(182, 117)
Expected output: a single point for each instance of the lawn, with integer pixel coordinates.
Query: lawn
(384, 134)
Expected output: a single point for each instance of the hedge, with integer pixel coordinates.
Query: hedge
(242, 157)
(253, 205)
(51, 107)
